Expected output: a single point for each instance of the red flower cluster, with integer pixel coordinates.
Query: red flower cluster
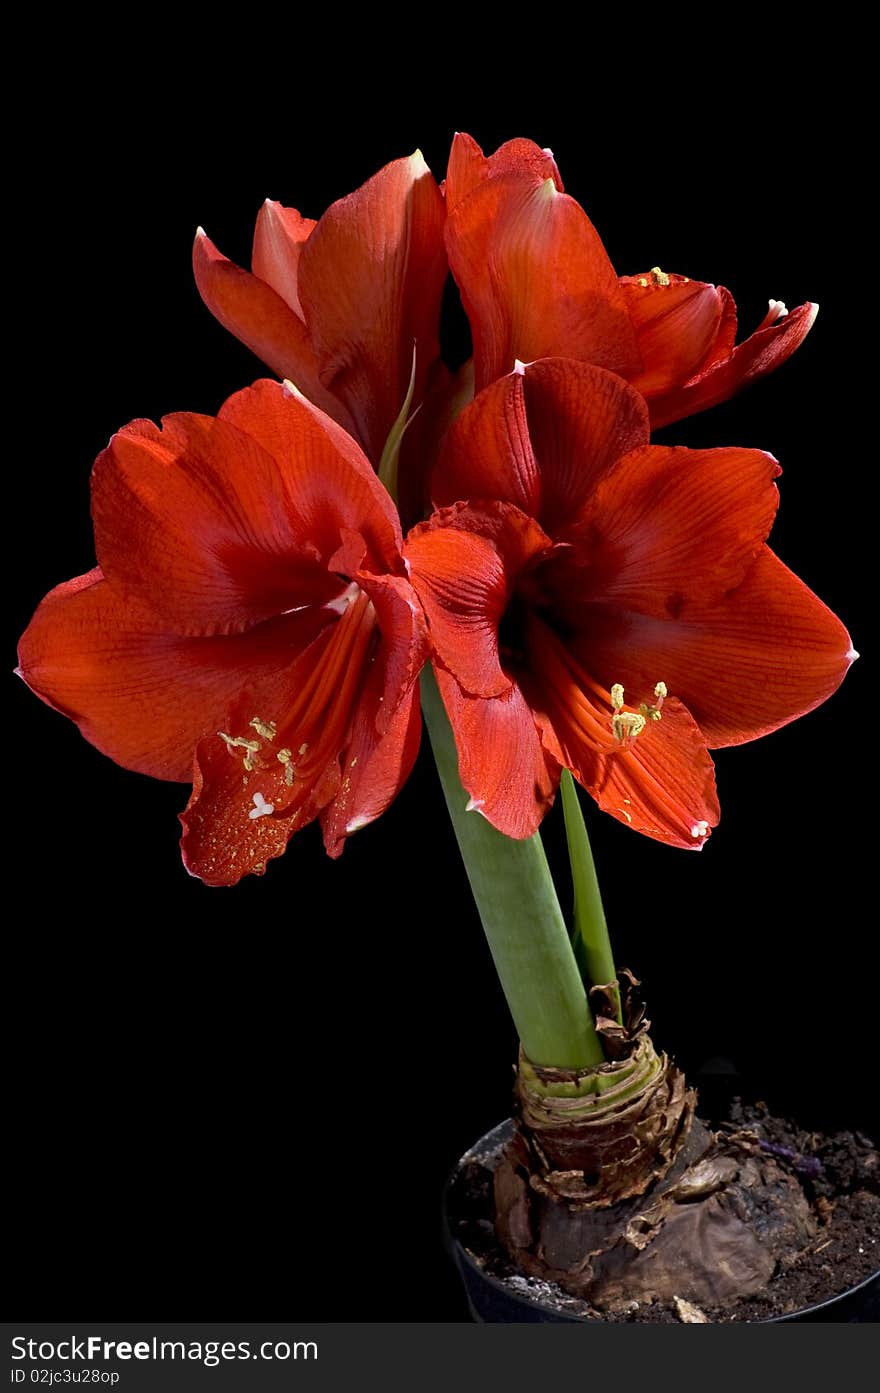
(590, 601)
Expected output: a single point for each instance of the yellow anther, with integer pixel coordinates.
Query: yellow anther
(617, 696)
(285, 757)
(626, 725)
(265, 728)
(643, 280)
(659, 277)
(651, 710)
(303, 749)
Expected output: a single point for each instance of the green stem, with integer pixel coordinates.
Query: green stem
(592, 946)
(515, 896)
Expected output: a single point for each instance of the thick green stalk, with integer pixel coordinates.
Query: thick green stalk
(591, 943)
(514, 891)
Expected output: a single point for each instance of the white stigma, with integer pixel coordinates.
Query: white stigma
(700, 829)
(778, 308)
(261, 808)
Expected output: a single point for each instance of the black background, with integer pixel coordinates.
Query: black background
(241, 1104)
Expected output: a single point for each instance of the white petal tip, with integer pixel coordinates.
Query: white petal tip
(519, 366)
(474, 805)
(357, 823)
(292, 390)
(852, 654)
(200, 232)
(419, 163)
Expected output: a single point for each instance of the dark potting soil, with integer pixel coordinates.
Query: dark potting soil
(839, 1174)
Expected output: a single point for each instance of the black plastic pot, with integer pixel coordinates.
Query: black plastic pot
(491, 1302)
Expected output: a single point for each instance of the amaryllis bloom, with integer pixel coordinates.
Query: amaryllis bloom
(536, 282)
(609, 606)
(249, 627)
(343, 306)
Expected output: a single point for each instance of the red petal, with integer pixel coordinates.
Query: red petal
(329, 482)
(252, 311)
(404, 642)
(193, 520)
(669, 525)
(767, 349)
(279, 238)
(510, 777)
(542, 439)
(468, 166)
(463, 564)
(487, 452)
(221, 842)
(144, 696)
(345, 729)
(371, 278)
(374, 770)
(535, 279)
(744, 663)
(662, 784)
(677, 324)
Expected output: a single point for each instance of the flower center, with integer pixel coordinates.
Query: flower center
(292, 751)
(626, 725)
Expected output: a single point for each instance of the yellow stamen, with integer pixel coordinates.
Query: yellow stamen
(285, 757)
(651, 710)
(626, 726)
(250, 747)
(265, 728)
(658, 277)
(617, 696)
(239, 742)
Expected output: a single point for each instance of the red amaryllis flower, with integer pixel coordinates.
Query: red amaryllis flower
(339, 305)
(536, 282)
(603, 604)
(249, 626)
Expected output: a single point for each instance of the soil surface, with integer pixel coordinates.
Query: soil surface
(839, 1174)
